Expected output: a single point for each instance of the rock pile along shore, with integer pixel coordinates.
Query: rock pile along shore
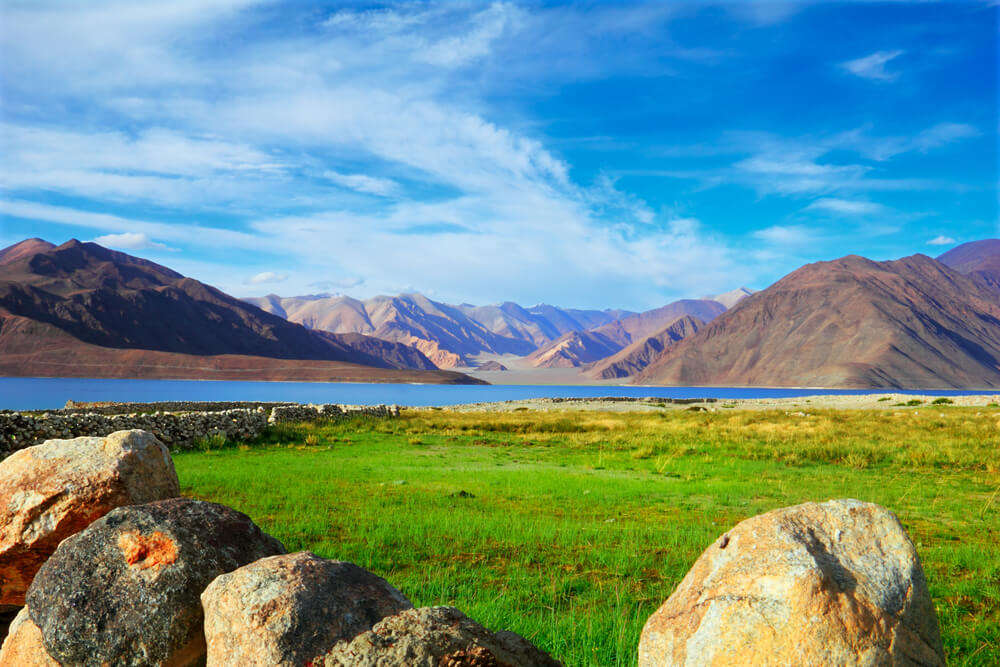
(106, 564)
(180, 430)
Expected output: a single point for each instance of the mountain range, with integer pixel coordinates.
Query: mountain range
(452, 335)
(80, 308)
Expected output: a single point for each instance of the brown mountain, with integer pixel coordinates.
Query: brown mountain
(644, 351)
(979, 259)
(640, 326)
(86, 300)
(576, 348)
(851, 322)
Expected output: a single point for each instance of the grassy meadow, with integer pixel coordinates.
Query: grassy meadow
(571, 528)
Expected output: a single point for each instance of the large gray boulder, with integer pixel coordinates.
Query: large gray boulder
(434, 637)
(286, 610)
(837, 583)
(53, 490)
(126, 590)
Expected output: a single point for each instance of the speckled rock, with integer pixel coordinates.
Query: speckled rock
(434, 637)
(23, 645)
(286, 610)
(837, 583)
(53, 490)
(125, 591)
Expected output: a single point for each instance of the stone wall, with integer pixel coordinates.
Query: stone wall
(178, 430)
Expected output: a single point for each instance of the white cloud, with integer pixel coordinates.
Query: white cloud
(131, 241)
(873, 66)
(461, 49)
(847, 207)
(942, 240)
(373, 185)
(267, 277)
(943, 134)
(259, 129)
(176, 233)
(786, 235)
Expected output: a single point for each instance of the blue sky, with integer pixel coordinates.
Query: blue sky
(585, 154)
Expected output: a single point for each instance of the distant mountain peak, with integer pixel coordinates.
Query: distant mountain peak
(25, 248)
(732, 297)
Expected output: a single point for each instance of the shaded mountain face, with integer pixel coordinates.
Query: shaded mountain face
(448, 335)
(110, 299)
(645, 351)
(977, 259)
(851, 322)
(640, 326)
(576, 348)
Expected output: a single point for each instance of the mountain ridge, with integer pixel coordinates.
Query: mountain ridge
(84, 297)
(849, 322)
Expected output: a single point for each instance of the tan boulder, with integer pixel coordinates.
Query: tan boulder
(435, 637)
(286, 610)
(23, 645)
(835, 583)
(56, 489)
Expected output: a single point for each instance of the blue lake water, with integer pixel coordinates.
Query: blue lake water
(50, 393)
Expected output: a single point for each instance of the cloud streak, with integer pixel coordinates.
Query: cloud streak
(873, 66)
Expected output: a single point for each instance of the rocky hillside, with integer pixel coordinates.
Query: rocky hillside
(644, 351)
(80, 303)
(576, 348)
(850, 322)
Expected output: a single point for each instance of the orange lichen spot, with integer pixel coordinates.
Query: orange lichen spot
(145, 551)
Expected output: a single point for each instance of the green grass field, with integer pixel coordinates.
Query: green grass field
(572, 528)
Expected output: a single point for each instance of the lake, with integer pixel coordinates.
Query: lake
(51, 393)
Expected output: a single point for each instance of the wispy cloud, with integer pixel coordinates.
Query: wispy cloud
(942, 240)
(173, 232)
(847, 207)
(131, 241)
(786, 235)
(874, 66)
(373, 185)
(266, 277)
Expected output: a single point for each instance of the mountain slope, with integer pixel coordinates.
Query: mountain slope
(642, 325)
(644, 351)
(576, 348)
(107, 299)
(979, 259)
(733, 297)
(850, 322)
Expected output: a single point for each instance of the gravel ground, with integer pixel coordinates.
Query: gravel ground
(817, 402)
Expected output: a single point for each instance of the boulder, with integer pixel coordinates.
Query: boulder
(126, 590)
(53, 490)
(23, 645)
(434, 637)
(286, 610)
(836, 583)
